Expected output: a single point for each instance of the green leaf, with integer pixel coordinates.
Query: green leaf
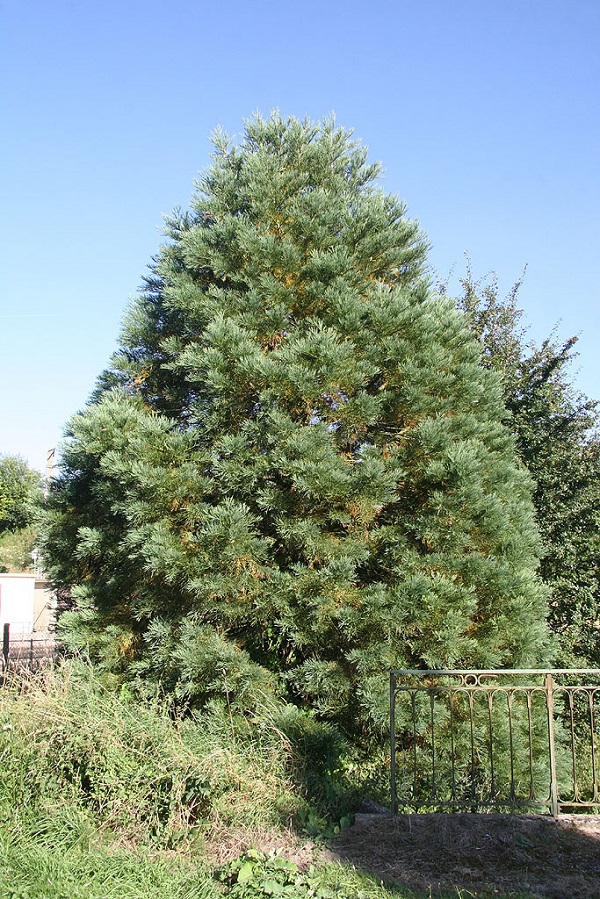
(246, 872)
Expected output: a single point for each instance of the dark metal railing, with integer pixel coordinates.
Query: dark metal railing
(25, 649)
(503, 740)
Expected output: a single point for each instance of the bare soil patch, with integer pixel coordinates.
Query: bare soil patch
(483, 855)
(224, 845)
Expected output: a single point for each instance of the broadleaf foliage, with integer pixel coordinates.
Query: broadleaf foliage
(557, 438)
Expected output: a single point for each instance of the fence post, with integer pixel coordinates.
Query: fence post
(549, 688)
(5, 644)
(394, 798)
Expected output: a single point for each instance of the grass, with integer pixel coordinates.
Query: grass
(60, 855)
(152, 779)
(106, 794)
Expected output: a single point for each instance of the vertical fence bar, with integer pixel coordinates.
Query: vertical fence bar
(471, 697)
(490, 699)
(6, 644)
(413, 698)
(431, 703)
(393, 789)
(591, 697)
(549, 689)
(452, 758)
(530, 729)
(509, 701)
(571, 700)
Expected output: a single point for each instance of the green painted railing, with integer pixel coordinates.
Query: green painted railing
(498, 740)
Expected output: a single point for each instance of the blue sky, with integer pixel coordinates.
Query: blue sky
(485, 116)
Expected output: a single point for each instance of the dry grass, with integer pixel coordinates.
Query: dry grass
(224, 844)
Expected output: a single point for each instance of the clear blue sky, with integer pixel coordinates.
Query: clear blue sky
(485, 115)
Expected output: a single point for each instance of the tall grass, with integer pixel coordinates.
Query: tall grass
(107, 795)
(144, 775)
(59, 854)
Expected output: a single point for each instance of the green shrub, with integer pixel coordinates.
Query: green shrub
(256, 874)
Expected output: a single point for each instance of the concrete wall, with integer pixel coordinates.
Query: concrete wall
(26, 603)
(44, 604)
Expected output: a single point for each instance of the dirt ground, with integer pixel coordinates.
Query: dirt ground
(481, 855)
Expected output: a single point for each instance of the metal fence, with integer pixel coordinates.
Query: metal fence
(505, 740)
(25, 649)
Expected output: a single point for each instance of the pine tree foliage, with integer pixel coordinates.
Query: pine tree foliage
(295, 473)
(556, 431)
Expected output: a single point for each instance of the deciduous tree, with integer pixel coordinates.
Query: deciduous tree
(20, 494)
(556, 431)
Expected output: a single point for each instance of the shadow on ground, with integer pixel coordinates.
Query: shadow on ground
(523, 855)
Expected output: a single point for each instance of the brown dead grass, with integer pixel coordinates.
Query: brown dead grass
(224, 844)
(481, 855)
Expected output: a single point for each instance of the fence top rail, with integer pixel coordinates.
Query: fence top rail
(453, 672)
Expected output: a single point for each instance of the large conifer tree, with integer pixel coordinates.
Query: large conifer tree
(295, 474)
